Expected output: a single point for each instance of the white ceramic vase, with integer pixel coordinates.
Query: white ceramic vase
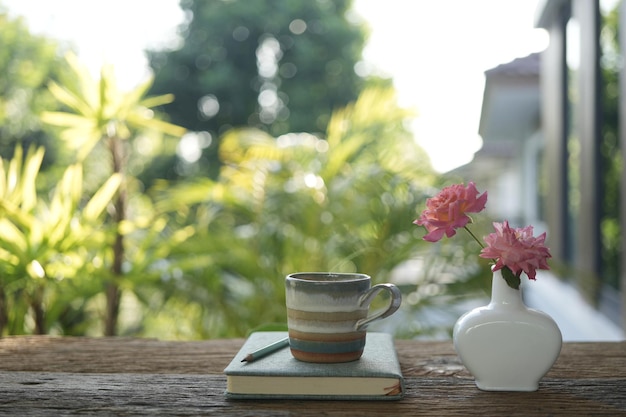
(505, 345)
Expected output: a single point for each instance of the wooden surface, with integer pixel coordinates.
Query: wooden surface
(51, 376)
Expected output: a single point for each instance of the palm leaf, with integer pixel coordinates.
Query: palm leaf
(70, 120)
(98, 203)
(33, 160)
(3, 179)
(156, 101)
(12, 239)
(71, 100)
(86, 83)
(156, 125)
(133, 98)
(13, 178)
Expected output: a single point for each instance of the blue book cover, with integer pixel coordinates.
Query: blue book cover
(375, 376)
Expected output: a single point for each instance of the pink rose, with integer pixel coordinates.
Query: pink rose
(517, 249)
(447, 211)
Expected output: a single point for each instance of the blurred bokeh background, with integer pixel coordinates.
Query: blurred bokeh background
(166, 164)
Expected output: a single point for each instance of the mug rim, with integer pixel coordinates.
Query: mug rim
(356, 276)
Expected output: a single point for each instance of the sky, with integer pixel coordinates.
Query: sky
(435, 51)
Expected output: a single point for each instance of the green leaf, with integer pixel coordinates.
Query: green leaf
(342, 153)
(34, 157)
(14, 213)
(88, 88)
(3, 179)
(67, 120)
(511, 279)
(13, 240)
(157, 100)
(134, 98)
(156, 125)
(13, 176)
(69, 99)
(103, 196)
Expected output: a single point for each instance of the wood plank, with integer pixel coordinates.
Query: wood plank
(42, 393)
(130, 355)
(42, 375)
(110, 355)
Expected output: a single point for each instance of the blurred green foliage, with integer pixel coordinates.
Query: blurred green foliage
(207, 258)
(89, 250)
(45, 243)
(100, 113)
(297, 203)
(611, 160)
(27, 63)
(277, 65)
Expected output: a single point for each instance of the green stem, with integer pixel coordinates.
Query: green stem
(474, 236)
(477, 240)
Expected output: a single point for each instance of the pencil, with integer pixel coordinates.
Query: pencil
(257, 354)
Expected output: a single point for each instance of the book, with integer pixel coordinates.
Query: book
(375, 376)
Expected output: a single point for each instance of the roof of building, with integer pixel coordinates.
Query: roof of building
(519, 67)
(510, 111)
(511, 100)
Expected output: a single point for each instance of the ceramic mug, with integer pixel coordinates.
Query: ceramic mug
(328, 313)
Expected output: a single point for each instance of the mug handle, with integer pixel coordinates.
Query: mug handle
(367, 297)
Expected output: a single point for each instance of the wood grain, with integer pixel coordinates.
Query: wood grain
(42, 375)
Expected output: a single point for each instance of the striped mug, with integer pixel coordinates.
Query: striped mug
(328, 312)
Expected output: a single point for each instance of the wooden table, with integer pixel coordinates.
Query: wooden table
(54, 376)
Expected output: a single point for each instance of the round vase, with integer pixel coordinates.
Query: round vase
(505, 345)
